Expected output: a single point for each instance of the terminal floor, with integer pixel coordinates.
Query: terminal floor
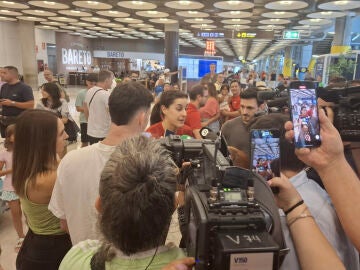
(8, 237)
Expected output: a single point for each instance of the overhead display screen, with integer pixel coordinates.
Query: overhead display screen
(197, 66)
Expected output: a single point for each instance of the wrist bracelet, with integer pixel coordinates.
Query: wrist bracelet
(293, 207)
(302, 215)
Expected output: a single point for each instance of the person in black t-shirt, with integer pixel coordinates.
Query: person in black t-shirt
(15, 97)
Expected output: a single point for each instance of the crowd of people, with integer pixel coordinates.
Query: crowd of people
(109, 204)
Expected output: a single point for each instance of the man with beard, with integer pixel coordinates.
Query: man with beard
(236, 131)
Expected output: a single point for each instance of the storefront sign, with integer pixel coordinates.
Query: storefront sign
(114, 54)
(75, 57)
(129, 55)
(73, 53)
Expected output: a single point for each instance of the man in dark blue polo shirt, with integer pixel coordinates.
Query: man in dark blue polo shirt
(15, 97)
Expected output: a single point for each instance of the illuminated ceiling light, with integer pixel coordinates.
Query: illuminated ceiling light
(236, 20)
(163, 19)
(235, 12)
(139, 3)
(326, 12)
(286, 2)
(193, 12)
(75, 11)
(184, 3)
(8, 2)
(199, 19)
(279, 12)
(341, 3)
(39, 11)
(49, 3)
(233, 2)
(4, 11)
(315, 20)
(152, 12)
(128, 19)
(274, 20)
(92, 3)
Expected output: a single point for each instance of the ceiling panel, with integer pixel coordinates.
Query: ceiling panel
(147, 19)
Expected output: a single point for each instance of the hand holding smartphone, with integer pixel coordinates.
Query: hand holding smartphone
(304, 114)
(265, 152)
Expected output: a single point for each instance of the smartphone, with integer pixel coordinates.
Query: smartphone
(304, 114)
(265, 152)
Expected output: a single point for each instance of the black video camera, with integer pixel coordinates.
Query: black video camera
(276, 100)
(347, 110)
(231, 216)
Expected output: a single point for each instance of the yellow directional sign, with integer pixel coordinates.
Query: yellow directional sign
(254, 34)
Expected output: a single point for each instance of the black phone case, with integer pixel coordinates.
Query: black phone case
(308, 85)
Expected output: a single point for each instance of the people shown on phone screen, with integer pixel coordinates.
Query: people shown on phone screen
(262, 167)
(305, 136)
(305, 117)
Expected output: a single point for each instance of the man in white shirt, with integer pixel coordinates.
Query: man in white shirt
(78, 176)
(96, 107)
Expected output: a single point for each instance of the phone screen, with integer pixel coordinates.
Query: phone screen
(265, 152)
(304, 114)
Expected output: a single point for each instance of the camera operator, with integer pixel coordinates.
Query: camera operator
(317, 201)
(136, 202)
(338, 177)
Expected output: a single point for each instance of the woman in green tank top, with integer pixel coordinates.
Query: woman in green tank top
(39, 138)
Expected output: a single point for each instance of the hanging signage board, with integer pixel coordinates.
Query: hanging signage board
(292, 35)
(213, 34)
(254, 35)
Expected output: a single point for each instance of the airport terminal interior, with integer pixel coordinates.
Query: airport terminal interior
(177, 45)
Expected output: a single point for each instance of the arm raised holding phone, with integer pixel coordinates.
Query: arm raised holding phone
(339, 179)
(312, 248)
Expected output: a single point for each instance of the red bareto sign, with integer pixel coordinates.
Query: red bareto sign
(210, 48)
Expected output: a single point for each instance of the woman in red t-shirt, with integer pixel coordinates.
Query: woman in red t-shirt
(173, 112)
(210, 112)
